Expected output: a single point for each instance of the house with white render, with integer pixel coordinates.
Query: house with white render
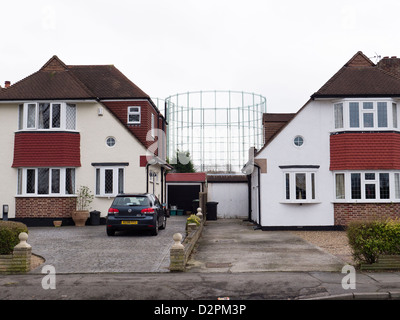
(66, 126)
(338, 158)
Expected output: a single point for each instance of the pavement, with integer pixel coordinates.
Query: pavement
(232, 259)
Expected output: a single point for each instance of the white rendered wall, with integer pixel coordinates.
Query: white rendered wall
(314, 123)
(8, 175)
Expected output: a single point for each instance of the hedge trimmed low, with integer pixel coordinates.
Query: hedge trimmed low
(369, 239)
(9, 232)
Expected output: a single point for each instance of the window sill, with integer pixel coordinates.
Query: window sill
(360, 201)
(300, 202)
(46, 195)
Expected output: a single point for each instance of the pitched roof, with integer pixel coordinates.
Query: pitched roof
(360, 77)
(56, 80)
(274, 122)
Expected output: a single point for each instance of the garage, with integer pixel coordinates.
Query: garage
(183, 188)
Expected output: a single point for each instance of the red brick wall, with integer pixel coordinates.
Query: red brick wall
(120, 110)
(365, 151)
(46, 207)
(346, 212)
(47, 149)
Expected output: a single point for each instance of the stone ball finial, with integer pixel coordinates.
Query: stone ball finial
(23, 237)
(177, 237)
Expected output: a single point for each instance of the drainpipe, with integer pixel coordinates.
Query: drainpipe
(147, 177)
(249, 196)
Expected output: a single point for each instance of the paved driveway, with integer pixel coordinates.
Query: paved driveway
(89, 250)
(232, 245)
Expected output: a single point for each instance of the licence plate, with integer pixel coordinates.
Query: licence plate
(128, 222)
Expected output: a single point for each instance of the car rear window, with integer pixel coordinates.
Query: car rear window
(131, 201)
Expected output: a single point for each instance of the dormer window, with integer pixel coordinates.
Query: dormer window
(133, 115)
(365, 115)
(47, 116)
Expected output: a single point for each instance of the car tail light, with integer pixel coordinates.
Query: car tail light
(148, 210)
(113, 210)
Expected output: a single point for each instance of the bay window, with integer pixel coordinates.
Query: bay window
(367, 186)
(361, 115)
(46, 181)
(300, 185)
(109, 181)
(47, 116)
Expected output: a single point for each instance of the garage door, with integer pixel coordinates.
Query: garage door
(182, 196)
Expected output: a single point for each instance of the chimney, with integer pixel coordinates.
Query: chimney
(391, 65)
(7, 84)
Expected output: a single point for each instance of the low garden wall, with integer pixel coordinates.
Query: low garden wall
(19, 261)
(181, 251)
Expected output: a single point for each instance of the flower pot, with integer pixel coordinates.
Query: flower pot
(57, 223)
(80, 217)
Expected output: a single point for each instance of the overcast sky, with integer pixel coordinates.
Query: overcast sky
(283, 50)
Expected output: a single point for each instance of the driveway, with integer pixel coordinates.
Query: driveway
(232, 245)
(89, 249)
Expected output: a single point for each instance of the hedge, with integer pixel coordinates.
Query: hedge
(9, 232)
(369, 239)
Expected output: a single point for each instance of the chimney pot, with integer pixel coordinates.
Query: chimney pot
(7, 84)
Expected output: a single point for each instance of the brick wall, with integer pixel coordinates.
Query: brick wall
(120, 110)
(46, 207)
(346, 212)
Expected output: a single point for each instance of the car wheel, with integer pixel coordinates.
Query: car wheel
(155, 230)
(164, 223)
(110, 232)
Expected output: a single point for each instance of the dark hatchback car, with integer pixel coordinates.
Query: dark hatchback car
(138, 211)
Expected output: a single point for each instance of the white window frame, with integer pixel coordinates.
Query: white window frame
(137, 112)
(100, 181)
(63, 116)
(391, 112)
(311, 185)
(22, 177)
(393, 195)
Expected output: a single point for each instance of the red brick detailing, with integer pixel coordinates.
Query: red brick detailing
(365, 151)
(346, 212)
(120, 110)
(44, 207)
(47, 149)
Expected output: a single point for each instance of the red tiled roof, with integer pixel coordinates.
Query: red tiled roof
(186, 177)
(47, 149)
(273, 123)
(360, 77)
(365, 151)
(56, 80)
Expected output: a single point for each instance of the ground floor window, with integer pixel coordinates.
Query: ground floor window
(109, 181)
(300, 186)
(46, 181)
(367, 186)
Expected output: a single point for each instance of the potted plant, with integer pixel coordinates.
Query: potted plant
(83, 200)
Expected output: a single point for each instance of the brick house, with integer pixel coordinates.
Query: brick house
(338, 158)
(70, 125)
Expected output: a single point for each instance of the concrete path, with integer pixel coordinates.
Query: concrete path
(232, 245)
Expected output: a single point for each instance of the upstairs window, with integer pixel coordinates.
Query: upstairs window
(134, 115)
(365, 115)
(47, 116)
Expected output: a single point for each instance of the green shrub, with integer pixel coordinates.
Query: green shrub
(9, 232)
(369, 239)
(193, 219)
